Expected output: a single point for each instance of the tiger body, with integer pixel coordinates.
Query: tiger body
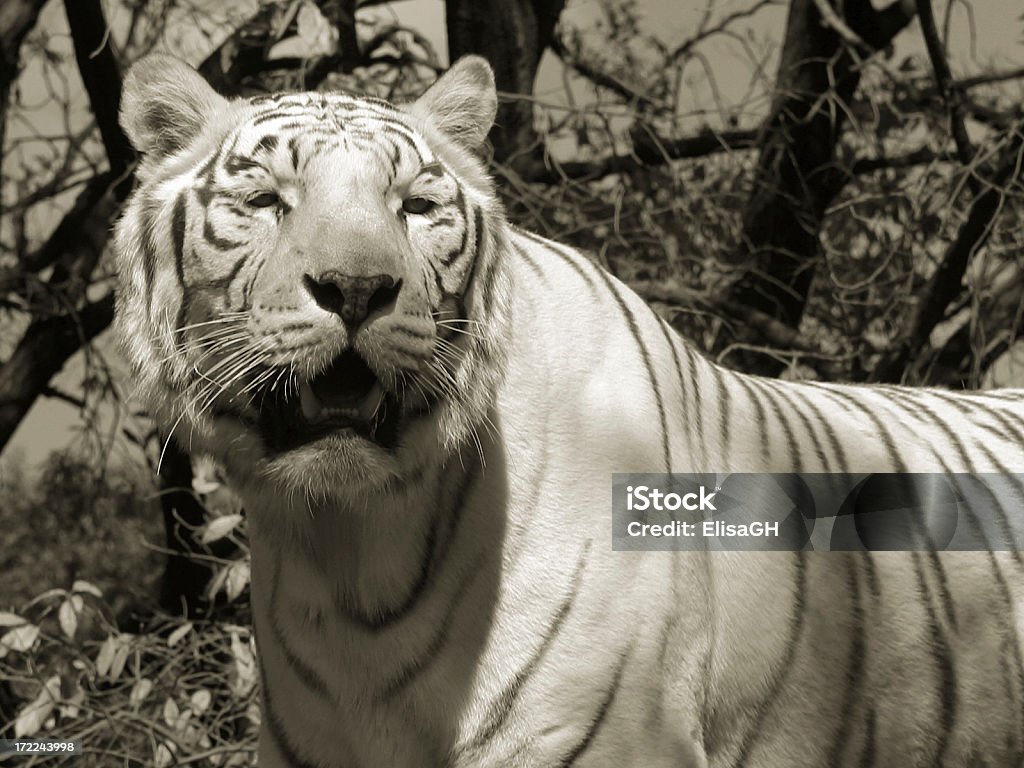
(436, 584)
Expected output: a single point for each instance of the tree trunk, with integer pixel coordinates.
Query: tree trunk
(796, 178)
(511, 35)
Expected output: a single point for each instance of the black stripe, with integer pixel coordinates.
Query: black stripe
(868, 755)
(460, 203)
(149, 254)
(760, 421)
(557, 249)
(789, 395)
(304, 671)
(692, 375)
(411, 671)
(178, 239)
(807, 400)
(277, 733)
(602, 712)
(943, 659)
(722, 378)
(854, 677)
(782, 671)
(533, 265)
(669, 336)
(631, 323)
(434, 555)
(267, 144)
(918, 406)
(217, 242)
(237, 163)
(501, 707)
(841, 396)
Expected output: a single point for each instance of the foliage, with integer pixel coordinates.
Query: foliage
(174, 693)
(77, 519)
(171, 692)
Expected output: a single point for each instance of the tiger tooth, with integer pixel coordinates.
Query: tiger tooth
(311, 408)
(371, 402)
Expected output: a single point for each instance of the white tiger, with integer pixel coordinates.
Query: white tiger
(422, 407)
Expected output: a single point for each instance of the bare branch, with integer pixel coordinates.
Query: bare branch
(101, 76)
(598, 78)
(17, 17)
(947, 88)
(649, 153)
(41, 353)
(946, 284)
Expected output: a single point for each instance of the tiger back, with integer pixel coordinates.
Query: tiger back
(422, 408)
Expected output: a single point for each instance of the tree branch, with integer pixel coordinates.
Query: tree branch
(944, 79)
(946, 284)
(17, 17)
(648, 153)
(101, 76)
(598, 78)
(40, 354)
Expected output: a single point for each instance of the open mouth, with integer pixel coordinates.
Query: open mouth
(347, 397)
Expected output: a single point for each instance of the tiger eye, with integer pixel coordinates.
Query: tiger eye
(263, 200)
(417, 205)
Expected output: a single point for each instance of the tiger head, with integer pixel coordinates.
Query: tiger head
(309, 283)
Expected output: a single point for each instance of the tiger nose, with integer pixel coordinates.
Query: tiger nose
(352, 297)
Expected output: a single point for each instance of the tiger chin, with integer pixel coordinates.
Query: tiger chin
(422, 406)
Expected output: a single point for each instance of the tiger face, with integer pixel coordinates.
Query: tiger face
(307, 288)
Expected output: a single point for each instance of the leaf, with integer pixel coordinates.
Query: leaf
(175, 637)
(171, 711)
(217, 583)
(163, 756)
(237, 579)
(316, 37)
(140, 691)
(67, 615)
(106, 656)
(32, 718)
(11, 619)
(81, 585)
(243, 675)
(20, 638)
(200, 701)
(120, 659)
(220, 527)
(47, 595)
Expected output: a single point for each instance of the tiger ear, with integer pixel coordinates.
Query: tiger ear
(165, 104)
(462, 103)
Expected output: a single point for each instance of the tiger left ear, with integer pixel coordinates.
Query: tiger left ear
(462, 103)
(165, 104)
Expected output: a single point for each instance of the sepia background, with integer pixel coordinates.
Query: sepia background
(808, 189)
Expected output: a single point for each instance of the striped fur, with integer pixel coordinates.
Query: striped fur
(449, 596)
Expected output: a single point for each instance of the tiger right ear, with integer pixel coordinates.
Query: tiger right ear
(165, 104)
(462, 103)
